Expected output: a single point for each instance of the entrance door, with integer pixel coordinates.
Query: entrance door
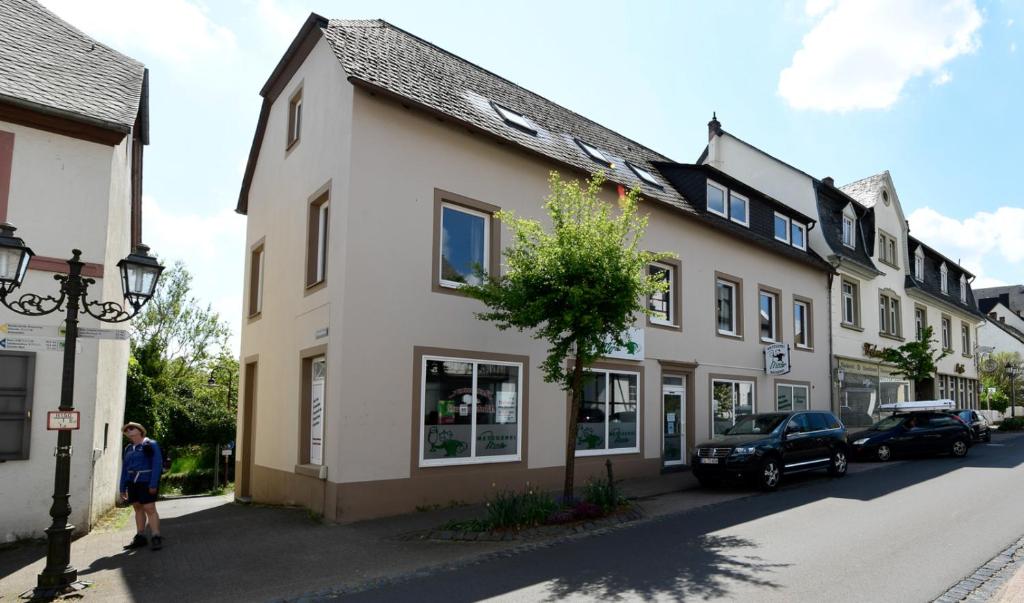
(246, 458)
(673, 403)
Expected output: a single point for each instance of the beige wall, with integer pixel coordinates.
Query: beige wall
(382, 307)
(69, 193)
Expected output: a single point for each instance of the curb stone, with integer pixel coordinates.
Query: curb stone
(986, 580)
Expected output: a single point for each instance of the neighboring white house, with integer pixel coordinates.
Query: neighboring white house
(73, 122)
(889, 286)
(368, 385)
(1003, 330)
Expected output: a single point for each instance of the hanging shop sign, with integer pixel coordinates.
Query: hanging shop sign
(776, 359)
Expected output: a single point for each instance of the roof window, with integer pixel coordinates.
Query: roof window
(644, 175)
(594, 153)
(513, 119)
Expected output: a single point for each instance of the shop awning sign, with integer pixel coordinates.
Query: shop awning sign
(776, 359)
(63, 420)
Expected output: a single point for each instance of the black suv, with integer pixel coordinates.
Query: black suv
(763, 447)
(976, 422)
(912, 433)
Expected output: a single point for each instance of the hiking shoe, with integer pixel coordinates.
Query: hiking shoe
(158, 543)
(137, 542)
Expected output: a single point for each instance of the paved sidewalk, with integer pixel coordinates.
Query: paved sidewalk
(1001, 580)
(217, 550)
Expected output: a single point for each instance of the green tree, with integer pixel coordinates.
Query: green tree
(916, 360)
(579, 286)
(175, 343)
(999, 379)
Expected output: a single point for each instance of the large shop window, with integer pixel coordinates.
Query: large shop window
(791, 397)
(464, 245)
(730, 400)
(608, 413)
(17, 375)
(471, 411)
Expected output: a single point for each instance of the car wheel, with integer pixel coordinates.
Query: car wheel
(839, 464)
(884, 453)
(706, 481)
(959, 448)
(988, 436)
(769, 474)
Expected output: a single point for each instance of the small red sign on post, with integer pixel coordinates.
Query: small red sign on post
(62, 420)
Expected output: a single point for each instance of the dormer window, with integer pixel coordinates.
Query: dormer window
(728, 204)
(594, 153)
(781, 228)
(798, 235)
(848, 226)
(644, 175)
(513, 119)
(919, 265)
(790, 231)
(944, 278)
(963, 289)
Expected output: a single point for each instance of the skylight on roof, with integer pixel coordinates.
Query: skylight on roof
(512, 118)
(644, 175)
(594, 153)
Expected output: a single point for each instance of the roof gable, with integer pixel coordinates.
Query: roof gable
(48, 66)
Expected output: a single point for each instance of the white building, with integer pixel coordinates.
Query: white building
(73, 122)
(889, 285)
(368, 385)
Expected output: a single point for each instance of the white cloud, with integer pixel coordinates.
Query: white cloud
(861, 53)
(813, 8)
(942, 78)
(177, 31)
(1013, 47)
(211, 246)
(1009, 22)
(281, 21)
(987, 243)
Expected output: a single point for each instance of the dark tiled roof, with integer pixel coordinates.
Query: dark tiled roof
(49, 66)
(691, 181)
(1012, 296)
(831, 202)
(932, 284)
(386, 58)
(866, 190)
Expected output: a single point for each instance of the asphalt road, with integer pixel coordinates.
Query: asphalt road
(904, 532)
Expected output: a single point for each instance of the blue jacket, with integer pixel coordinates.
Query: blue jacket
(142, 463)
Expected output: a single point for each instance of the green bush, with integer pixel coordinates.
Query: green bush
(511, 510)
(603, 494)
(198, 481)
(1012, 424)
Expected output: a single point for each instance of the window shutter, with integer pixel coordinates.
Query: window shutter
(17, 376)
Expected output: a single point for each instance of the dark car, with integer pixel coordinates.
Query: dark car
(980, 429)
(912, 433)
(764, 447)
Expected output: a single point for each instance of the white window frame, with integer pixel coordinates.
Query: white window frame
(735, 320)
(773, 317)
(944, 278)
(779, 216)
(644, 175)
(316, 422)
(725, 199)
(472, 459)
(963, 289)
(512, 118)
(595, 153)
(746, 208)
(806, 324)
(440, 241)
(919, 265)
(920, 322)
(849, 239)
(852, 297)
(965, 338)
(803, 231)
(671, 273)
(321, 243)
(792, 387)
(947, 341)
(607, 415)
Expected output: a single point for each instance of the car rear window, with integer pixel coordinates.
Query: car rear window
(818, 422)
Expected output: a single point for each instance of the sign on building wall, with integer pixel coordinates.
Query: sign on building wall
(60, 420)
(634, 350)
(776, 359)
(316, 412)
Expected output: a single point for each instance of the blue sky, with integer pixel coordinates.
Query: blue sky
(931, 91)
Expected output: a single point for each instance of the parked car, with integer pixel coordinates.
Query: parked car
(978, 424)
(904, 434)
(765, 447)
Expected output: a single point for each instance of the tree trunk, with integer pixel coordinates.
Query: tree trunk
(576, 393)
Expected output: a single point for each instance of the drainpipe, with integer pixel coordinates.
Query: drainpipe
(833, 386)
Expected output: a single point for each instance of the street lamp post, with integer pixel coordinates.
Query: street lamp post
(139, 275)
(212, 382)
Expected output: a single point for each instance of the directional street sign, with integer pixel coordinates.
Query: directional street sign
(48, 338)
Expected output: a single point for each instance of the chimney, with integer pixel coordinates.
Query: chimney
(828, 181)
(714, 127)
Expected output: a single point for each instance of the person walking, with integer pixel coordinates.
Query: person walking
(140, 482)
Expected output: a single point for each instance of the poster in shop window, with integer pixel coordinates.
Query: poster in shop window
(316, 413)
